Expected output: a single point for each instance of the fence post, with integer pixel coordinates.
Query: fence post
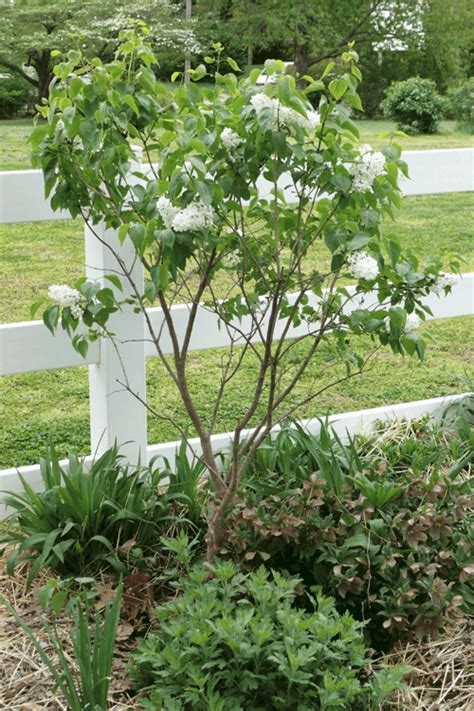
(116, 415)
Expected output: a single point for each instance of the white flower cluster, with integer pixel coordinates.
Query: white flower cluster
(284, 116)
(178, 39)
(230, 139)
(167, 211)
(63, 295)
(231, 142)
(442, 282)
(364, 172)
(362, 265)
(412, 323)
(195, 216)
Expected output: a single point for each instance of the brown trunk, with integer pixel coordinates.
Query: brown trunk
(45, 74)
(249, 55)
(301, 61)
(187, 61)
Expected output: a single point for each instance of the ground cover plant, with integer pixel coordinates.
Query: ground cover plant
(386, 526)
(235, 641)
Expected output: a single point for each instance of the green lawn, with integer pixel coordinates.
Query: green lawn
(14, 146)
(15, 154)
(447, 137)
(36, 406)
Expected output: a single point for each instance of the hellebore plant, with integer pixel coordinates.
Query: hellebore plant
(201, 211)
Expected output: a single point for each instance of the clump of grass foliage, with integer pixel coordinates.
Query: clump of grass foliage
(84, 518)
(85, 683)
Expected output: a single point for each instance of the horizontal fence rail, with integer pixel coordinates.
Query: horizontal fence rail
(346, 424)
(29, 346)
(439, 171)
(116, 414)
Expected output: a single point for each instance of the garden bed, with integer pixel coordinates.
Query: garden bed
(440, 673)
(442, 676)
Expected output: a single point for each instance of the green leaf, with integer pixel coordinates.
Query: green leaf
(82, 346)
(35, 306)
(137, 234)
(198, 73)
(360, 239)
(51, 318)
(115, 280)
(233, 64)
(329, 67)
(342, 183)
(338, 88)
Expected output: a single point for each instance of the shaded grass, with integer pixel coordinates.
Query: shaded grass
(15, 150)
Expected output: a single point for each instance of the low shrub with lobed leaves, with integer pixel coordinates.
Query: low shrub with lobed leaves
(385, 525)
(235, 641)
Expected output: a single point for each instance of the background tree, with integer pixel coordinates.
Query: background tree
(436, 43)
(31, 30)
(307, 33)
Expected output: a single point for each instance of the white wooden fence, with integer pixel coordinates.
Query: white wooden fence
(117, 415)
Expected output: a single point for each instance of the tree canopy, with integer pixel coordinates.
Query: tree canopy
(396, 40)
(32, 30)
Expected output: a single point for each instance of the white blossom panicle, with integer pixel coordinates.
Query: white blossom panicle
(195, 216)
(232, 142)
(364, 172)
(284, 116)
(310, 122)
(442, 282)
(261, 101)
(167, 211)
(362, 265)
(60, 125)
(412, 323)
(65, 296)
(230, 139)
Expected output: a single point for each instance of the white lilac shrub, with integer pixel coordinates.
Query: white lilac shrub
(196, 220)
